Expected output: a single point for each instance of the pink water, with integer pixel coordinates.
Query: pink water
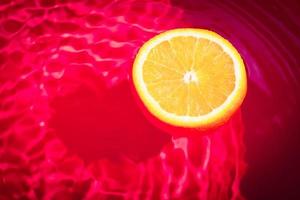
(70, 127)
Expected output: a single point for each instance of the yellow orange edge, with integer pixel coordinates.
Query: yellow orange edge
(218, 115)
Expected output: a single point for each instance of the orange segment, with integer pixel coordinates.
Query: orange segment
(190, 78)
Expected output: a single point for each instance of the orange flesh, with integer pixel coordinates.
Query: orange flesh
(189, 76)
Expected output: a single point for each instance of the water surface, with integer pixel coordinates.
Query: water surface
(70, 127)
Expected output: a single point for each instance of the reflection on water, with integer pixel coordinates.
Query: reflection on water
(69, 125)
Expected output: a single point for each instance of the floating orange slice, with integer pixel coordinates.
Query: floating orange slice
(190, 78)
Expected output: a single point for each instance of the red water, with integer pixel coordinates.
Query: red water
(69, 124)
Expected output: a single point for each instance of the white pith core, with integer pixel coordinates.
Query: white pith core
(190, 76)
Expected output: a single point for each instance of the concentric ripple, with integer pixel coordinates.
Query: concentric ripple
(69, 125)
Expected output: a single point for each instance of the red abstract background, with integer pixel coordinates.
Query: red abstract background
(70, 127)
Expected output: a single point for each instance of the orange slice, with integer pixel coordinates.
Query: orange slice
(190, 78)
